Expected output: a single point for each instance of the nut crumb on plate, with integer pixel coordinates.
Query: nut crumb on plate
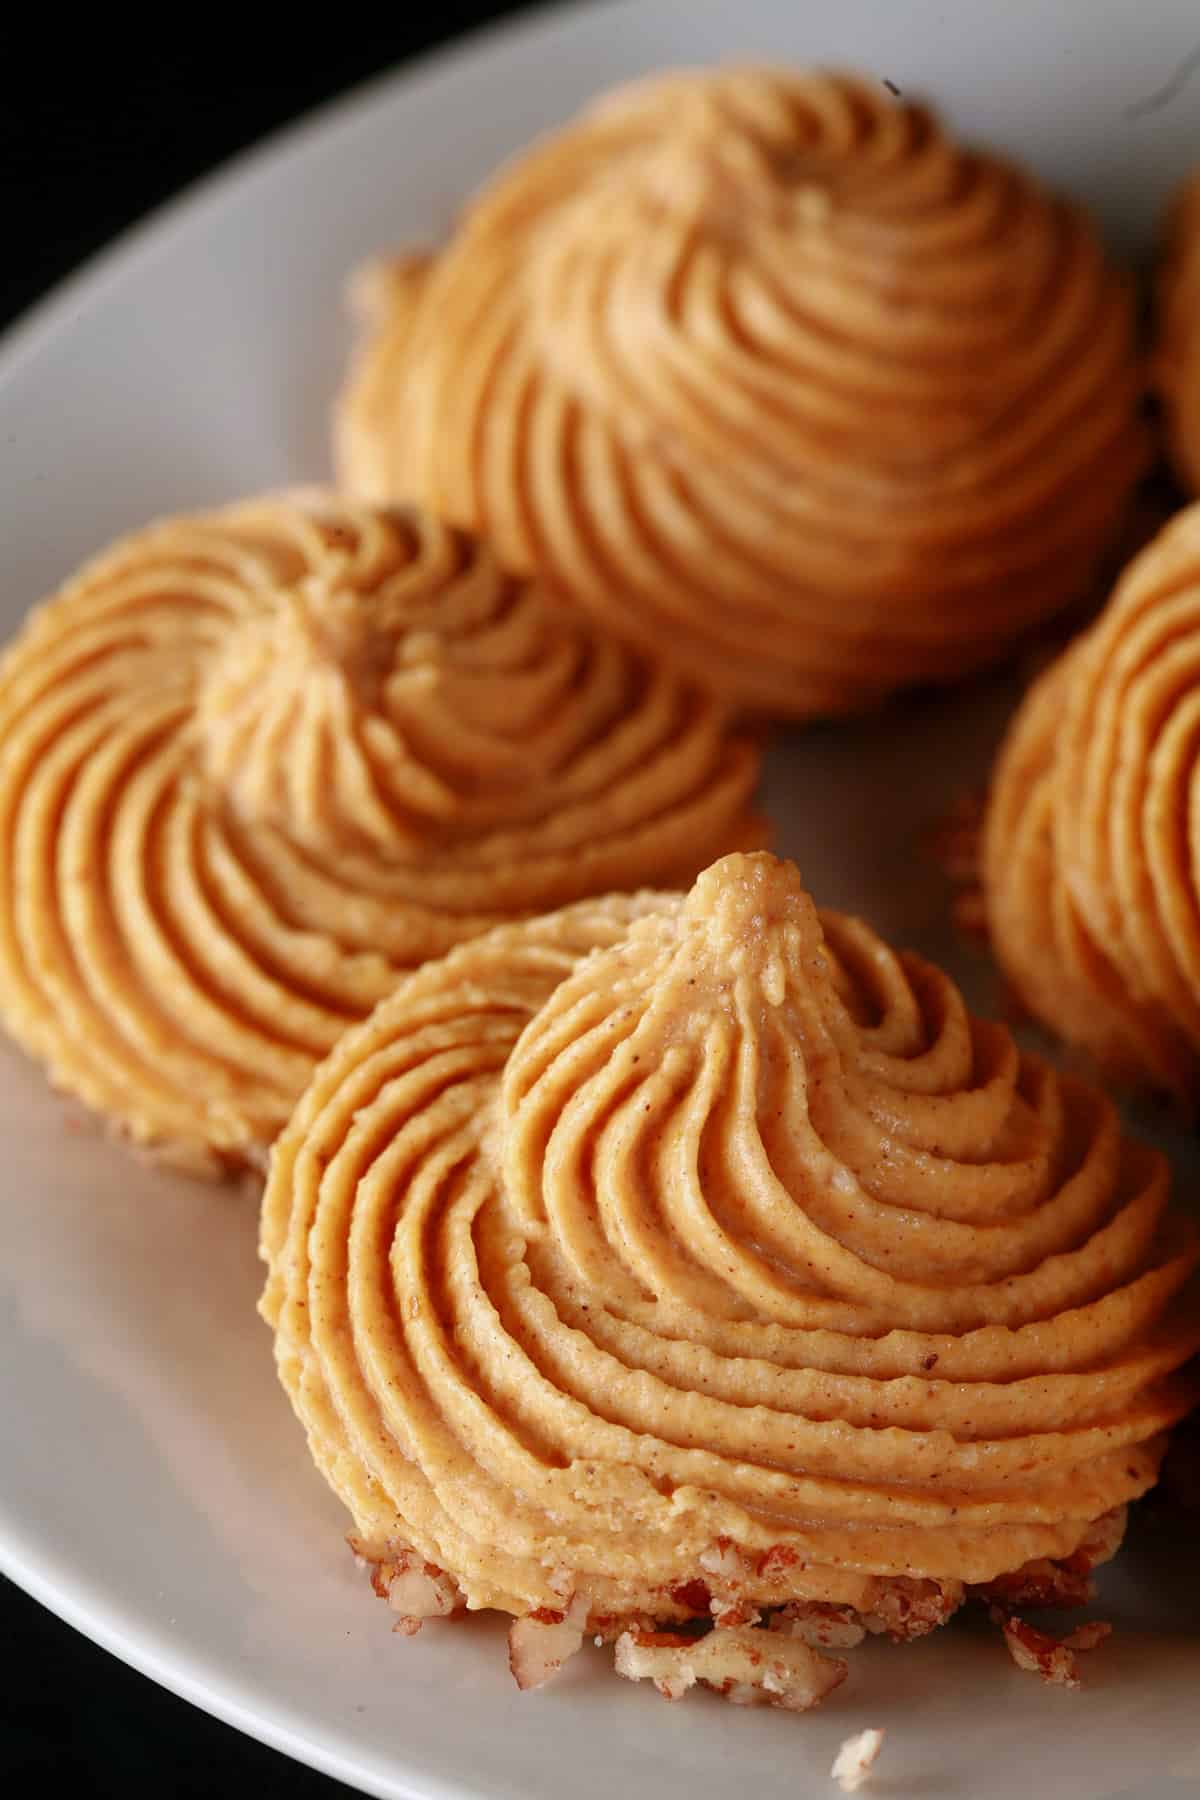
(854, 1761)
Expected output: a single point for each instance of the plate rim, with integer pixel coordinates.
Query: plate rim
(180, 1675)
(23, 336)
(178, 1667)
(23, 339)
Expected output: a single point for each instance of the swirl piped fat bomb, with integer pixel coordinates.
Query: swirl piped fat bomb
(1092, 830)
(728, 1292)
(257, 764)
(770, 375)
(1177, 362)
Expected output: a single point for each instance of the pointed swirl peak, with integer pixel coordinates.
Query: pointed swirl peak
(397, 688)
(765, 370)
(702, 1249)
(749, 927)
(256, 763)
(747, 1103)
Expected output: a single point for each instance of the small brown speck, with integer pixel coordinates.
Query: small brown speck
(892, 88)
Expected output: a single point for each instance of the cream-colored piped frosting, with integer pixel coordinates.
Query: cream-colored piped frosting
(733, 1265)
(255, 765)
(1092, 829)
(772, 376)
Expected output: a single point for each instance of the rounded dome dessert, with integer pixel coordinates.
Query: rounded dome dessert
(704, 1263)
(773, 377)
(1177, 363)
(256, 764)
(1092, 831)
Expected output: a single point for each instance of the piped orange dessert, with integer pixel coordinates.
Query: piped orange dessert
(1177, 362)
(257, 764)
(1092, 829)
(701, 1275)
(773, 377)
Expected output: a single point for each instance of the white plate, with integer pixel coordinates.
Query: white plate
(154, 1489)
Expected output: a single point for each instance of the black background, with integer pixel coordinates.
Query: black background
(95, 129)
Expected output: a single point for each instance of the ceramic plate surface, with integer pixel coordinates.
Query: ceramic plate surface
(154, 1488)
